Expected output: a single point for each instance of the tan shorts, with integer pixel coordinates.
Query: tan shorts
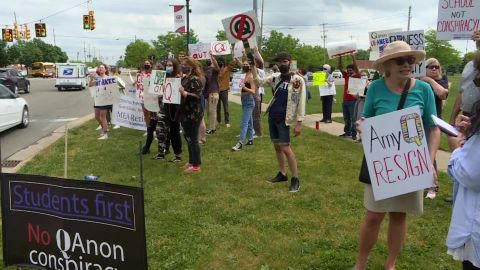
(410, 203)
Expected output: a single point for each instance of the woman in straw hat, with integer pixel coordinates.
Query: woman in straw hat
(383, 97)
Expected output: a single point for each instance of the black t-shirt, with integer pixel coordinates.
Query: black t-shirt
(438, 102)
(278, 109)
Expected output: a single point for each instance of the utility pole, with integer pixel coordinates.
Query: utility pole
(54, 42)
(324, 37)
(188, 24)
(261, 28)
(84, 52)
(409, 17)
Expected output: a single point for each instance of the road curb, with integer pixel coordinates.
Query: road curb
(26, 154)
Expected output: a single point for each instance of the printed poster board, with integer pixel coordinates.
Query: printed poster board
(457, 19)
(171, 90)
(378, 41)
(241, 26)
(157, 79)
(221, 48)
(237, 80)
(397, 153)
(416, 40)
(128, 113)
(356, 86)
(105, 92)
(199, 51)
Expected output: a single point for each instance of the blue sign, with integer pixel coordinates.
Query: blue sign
(68, 71)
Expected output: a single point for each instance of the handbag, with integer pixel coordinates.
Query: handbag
(364, 176)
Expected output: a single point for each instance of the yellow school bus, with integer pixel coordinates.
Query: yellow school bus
(43, 69)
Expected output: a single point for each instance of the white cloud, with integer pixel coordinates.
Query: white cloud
(119, 22)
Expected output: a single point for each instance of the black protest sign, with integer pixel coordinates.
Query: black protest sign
(55, 223)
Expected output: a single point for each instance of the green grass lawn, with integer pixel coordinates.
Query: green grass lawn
(228, 217)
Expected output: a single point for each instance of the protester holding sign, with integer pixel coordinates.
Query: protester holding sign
(462, 239)
(349, 100)
(248, 104)
(384, 96)
(327, 99)
(286, 108)
(102, 98)
(172, 67)
(191, 111)
(212, 88)
(357, 112)
(144, 73)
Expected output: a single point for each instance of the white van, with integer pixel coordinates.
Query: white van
(71, 75)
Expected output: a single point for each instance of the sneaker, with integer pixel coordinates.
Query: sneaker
(145, 150)
(145, 134)
(98, 128)
(158, 156)
(202, 141)
(237, 147)
(294, 185)
(323, 120)
(186, 165)
(227, 125)
(176, 159)
(431, 194)
(354, 137)
(116, 127)
(192, 169)
(344, 135)
(103, 137)
(211, 131)
(250, 142)
(328, 121)
(278, 179)
(448, 199)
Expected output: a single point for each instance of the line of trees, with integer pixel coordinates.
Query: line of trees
(28, 52)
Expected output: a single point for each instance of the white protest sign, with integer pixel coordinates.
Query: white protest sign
(150, 102)
(221, 48)
(457, 19)
(337, 49)
(397, 153)
(171, 91)
(128, 113)
(416, 40)
(237, 80)
(238, 50)
(105, 92)
(378, 41)
(157, 79)
(326, 90)
(131, 91)
(199, 51)
(241, 26)
(356, 86)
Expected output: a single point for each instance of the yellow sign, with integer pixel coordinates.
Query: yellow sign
(320, 78)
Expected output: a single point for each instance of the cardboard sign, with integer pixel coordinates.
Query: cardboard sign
(327, 90)
(179, 14)
(337, 49)
(105, 92)
(221, 48)
(150, 102)
(238, 49)
(378, 41)
(157, 79)
(237, 80)
(356, 86)
(241, 26)
(320, 78)
(53, 223)
(457, 19)
(128, 113)
(416, 40)
(397, 153)
(199, 51)
(171, 91)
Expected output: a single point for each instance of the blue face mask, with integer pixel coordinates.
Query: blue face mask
(169, 70)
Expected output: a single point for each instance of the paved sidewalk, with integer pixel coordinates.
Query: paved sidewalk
(336, 129)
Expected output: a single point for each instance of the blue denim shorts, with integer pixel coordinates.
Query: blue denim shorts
(279, 132)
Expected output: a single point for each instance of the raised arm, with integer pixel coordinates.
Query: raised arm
(214, 62)
(355, 67)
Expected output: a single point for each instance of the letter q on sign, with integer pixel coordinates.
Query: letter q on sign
(406, 131)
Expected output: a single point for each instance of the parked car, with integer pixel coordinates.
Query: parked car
(13, 110)
(14, 80)
(337, 74)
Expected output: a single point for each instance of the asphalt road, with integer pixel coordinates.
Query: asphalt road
(49, 109)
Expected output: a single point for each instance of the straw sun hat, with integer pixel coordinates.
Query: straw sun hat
(397, 49)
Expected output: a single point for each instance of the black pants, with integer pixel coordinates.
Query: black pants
(223, 99)
(175, 139)
(327, 107)
(190, 129)
(257, 116)
(468, 266)
(150, 129)
(163, 131)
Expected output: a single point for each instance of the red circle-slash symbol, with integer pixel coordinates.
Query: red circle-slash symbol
(219, 48)
(242, 27)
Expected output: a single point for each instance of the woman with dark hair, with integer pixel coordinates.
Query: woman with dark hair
(101, 110)
(154, 118)
(463, 239)
(191, 110)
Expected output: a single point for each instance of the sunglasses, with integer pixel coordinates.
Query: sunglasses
(433, 67)
(402, 60)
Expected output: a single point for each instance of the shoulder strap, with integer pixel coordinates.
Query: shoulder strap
(403, 98)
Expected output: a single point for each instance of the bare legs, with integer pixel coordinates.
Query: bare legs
(397, 230)
(283, 151)
(101, 117)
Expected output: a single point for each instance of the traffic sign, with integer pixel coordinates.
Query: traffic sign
(241, 26)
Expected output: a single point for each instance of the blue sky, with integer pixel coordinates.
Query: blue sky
(119, 22)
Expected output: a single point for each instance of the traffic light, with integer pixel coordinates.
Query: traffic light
(40, 30)
(92, 19)
(27, 32)
(86, 22)
(7, 35)
(15, 31)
